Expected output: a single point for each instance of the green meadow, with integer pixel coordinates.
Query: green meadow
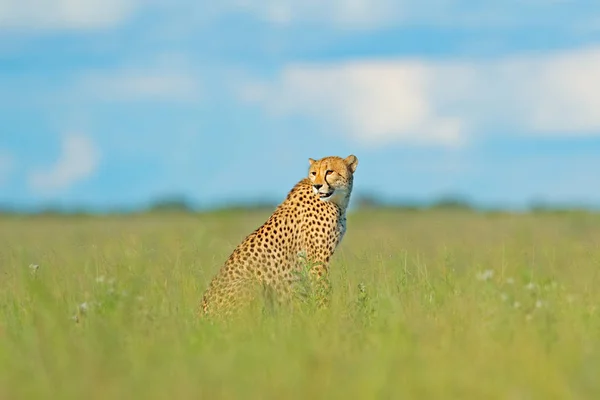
(425, 305)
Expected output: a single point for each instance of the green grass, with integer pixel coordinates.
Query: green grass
(424, 305)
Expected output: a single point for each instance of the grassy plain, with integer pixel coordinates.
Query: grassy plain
(426, 305)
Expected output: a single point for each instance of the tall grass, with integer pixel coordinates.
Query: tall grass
(424, 305)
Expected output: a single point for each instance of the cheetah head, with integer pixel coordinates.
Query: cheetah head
(332, 178)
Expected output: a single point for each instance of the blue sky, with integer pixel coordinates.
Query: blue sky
(108, 103)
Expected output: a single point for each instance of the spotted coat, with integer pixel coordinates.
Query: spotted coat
(304, 225)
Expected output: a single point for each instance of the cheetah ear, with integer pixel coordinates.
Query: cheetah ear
(352, 162)
(311, 161)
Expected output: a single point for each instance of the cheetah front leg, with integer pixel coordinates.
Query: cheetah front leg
(315, 283)
(321, 284)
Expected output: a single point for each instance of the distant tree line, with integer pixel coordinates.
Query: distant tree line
(446, 203)
(181, 204)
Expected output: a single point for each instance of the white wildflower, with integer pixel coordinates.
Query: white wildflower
(83, 307)
(34, 267)
(362, 288)
(510, 281)
(485, 275)
(539, 304)
(530, 286)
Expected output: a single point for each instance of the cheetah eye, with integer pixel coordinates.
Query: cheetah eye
(313, 173)
(328, 172)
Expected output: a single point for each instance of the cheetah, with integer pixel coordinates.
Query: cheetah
(309, 224)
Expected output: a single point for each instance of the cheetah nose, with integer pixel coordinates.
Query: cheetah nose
(318, 186)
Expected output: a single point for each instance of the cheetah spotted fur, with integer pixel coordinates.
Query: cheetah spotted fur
(310, 223)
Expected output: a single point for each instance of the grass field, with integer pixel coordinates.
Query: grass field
(425, 305)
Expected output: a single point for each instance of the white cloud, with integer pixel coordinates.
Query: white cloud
(64, 14)
(443, 102)
(367, 14)
(78, 161)
(381, 101)
(340, 14)
(351, 13)
(6, 167)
